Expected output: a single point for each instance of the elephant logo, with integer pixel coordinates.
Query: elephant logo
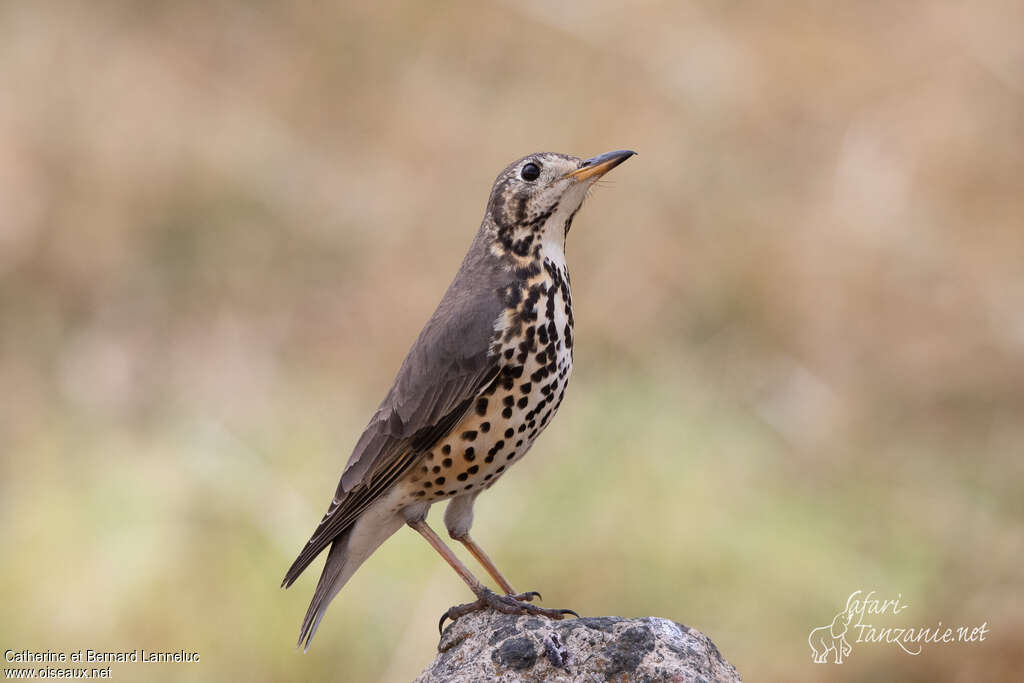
(832, 638)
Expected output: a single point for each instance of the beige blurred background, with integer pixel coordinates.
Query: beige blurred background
(800, 319)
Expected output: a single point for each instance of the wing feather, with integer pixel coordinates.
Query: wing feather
(449, 365)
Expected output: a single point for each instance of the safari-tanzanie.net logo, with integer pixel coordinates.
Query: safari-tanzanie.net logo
(865, 619)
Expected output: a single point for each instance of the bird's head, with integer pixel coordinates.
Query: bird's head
(535, 199)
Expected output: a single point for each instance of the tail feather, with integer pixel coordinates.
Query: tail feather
(326, 589)
(348, 552)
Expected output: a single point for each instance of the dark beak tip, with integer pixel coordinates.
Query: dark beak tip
(616, 157)
(620, 154)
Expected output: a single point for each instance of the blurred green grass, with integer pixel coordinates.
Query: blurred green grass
(650, 497)
(799, 370)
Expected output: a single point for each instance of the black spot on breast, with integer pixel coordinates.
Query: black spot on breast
(568, 337)
(521, 246)
(470, 454)
(469, 435)
(481, 406)
(439, 481)
(523, 401)
(436, 469)
(447, 462)
(485, 427)
(526, 272)
(513, 294)
(473, 469)
(446, 449)
(506, 413)
(511, 455)
(509, 432)
(508, 353)
(463, 477)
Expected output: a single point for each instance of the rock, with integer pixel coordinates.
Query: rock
(490, 646)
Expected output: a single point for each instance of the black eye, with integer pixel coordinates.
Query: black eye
(530, 171)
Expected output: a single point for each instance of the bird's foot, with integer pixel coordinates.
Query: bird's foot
(507, 604)
(528, 596)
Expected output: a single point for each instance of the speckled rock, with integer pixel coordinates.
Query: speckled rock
(489, 646)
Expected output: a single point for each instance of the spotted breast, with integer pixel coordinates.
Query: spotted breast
(533, 339)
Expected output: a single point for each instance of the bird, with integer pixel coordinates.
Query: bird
(482, 380)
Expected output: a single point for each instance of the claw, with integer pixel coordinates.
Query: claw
(528, 596)
(440, 624)
(507, 604)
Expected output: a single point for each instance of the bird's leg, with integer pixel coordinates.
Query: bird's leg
(437, 544)
(507, 604)
(485, 561)
(458, 519)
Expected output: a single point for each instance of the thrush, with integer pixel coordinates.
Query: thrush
(482, 381)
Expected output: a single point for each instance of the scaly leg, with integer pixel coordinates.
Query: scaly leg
(485, 561)
(508, 604)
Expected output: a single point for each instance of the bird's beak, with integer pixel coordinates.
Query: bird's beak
(599, 165)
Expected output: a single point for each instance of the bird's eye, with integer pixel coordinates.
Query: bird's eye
(530, 171)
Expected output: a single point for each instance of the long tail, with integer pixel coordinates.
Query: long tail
(347, 554)
(331, 581)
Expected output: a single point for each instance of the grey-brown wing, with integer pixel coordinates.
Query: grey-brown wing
(444, 372)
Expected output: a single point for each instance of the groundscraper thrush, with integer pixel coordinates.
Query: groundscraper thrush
(481, 382)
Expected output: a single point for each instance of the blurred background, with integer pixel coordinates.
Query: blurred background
(800, 319)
